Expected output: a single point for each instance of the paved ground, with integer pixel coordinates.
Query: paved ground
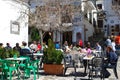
(80, 75)
(70, 75)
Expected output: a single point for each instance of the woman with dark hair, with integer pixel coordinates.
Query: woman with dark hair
(88, 53)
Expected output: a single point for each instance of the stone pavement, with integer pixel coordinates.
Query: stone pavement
(70, 75)
(80, 75)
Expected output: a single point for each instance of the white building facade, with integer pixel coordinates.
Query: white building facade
(107, 16)
(104, 15)
(80, 28)
(112, 20)
(13, 22)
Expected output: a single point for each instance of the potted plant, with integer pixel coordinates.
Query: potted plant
(53, 60)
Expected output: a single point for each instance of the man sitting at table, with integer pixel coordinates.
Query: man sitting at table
(111, 60)
(25, 49)
(111, 56)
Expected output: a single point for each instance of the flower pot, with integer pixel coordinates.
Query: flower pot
(53, 69)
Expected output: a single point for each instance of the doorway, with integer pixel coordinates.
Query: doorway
(78, 37)
(46, 36)
(67, 36)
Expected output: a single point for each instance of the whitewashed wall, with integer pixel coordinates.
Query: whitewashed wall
(12, 11)
(112, 17)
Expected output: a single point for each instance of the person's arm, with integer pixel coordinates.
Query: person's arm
(31, 46)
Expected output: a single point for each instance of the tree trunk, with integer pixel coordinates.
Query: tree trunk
(41, 38)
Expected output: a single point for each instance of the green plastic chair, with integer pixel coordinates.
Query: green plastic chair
(29, 65)
(24, 65)
(34, 65)
(8, 67)
(1, 66)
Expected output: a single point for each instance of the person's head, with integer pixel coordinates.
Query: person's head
(108, 37)
(1, 44)
(17, 44)
(24, 44)
(34, 42)
(7, 44)
(71, 46)
(57, 42)
(88, 45)
(97, 43)
(66, 42)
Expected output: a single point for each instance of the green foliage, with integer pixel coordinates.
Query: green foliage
(8, 53)
(51, 55)
(2, 53)
(35, 34)
(13, 52)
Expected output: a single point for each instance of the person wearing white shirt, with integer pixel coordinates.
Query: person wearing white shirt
(113, 45)
(33, 46)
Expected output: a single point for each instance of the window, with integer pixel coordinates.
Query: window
(15, 27)
(119, 2)
(105, 26)
(117, 28)
(100, 23)
(114, 2)
(99, 6)
(112, 33)
(112, 26)
(112, 30)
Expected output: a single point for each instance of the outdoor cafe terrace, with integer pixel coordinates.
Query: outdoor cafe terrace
(39, 74)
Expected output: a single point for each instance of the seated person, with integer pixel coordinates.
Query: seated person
(98, 47)
(17, 47)
(88, 53)
(66, 48)
(111, 61)
(77, 48)
(111, 56)
(88, 49)
(24, 52)
(57, 45)
(25, 49)
(33, 46)
(83, 50)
